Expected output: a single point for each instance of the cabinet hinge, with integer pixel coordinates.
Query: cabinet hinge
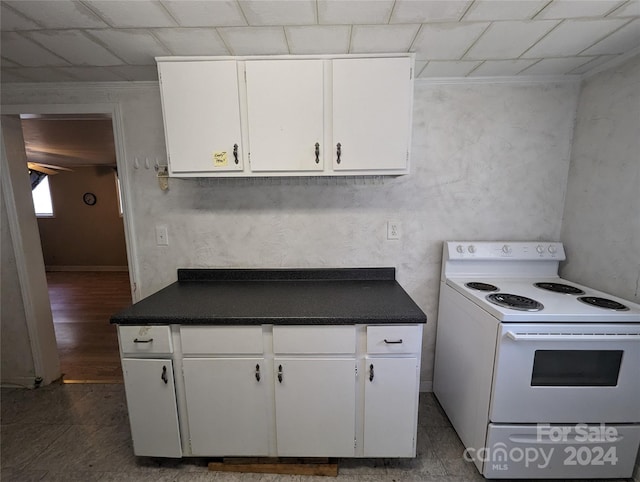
(355, 442)
(407, 158)
(356, 371)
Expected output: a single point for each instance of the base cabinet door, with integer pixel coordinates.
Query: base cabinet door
(315, 407)
(151, 401)
(390, 407)
(226, 406)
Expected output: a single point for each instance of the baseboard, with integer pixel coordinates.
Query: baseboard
(20, 382)
(86, 268)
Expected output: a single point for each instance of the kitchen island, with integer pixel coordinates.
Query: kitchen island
(288, 363)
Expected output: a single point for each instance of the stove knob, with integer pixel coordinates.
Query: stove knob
(471, 249)
(540, 249)
(460, 249)
(506, 249)
(552, 249)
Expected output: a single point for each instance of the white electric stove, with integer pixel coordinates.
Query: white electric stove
(528, 363)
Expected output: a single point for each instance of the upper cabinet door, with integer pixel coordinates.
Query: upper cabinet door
(285, 115)
(372, 113)
(201, 116)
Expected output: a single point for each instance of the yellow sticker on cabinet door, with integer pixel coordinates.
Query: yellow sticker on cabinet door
(220, 159)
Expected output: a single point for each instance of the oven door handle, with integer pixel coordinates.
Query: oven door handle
(573, 336)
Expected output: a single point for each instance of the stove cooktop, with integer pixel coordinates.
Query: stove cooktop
(545, 300)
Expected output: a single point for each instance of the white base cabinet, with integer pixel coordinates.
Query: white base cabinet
(288, 391)
(226, 405)
(151, 401)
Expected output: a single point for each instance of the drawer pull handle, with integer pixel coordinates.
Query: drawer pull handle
(137, 340)
(317, 153)
(393, 342)
(338, 152)
(164, 377)
(257, 373)
(280, 373)
(371, 372)
(235, 153)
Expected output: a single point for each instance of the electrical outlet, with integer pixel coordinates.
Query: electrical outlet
(162, 236)
(393, 230)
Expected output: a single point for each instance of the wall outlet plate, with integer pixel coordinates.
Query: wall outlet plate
(393, 229)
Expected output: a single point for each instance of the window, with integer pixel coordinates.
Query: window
(42, 199)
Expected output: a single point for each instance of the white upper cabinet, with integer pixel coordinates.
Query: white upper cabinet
(372, 100)
(200, 101)
(285, 115)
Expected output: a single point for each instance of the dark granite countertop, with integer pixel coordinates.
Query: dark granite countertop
(282, 296)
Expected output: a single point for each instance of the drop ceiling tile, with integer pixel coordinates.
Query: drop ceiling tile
(24, 51)
(578, 9)
(419, 66)
(279, 12)
(446, 41)
(91, 74)
(620, 41)
(341, 12)
(192, 41)
(135, 72)
(132, 14)
(492, 10)
(12, 20)
(58, 14)
(12, 75)
(593, 64)
(629, 9)
(319, 39)
(6, 63)
(412, 11)
(497, 68)
(135, 47)
(255, 40)
(555, 66)
(572, 37)
(446, 68)
(75, 46)
(45, 74)
(196, 13)
(382, 38)
(508, 40)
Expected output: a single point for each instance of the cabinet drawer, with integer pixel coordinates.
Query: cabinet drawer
(394, 339)
(314, 339)
(214, 340)
(145, 339)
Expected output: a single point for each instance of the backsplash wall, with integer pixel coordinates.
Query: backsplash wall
(488, 162)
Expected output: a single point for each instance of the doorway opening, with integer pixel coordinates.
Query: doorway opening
(82, 236)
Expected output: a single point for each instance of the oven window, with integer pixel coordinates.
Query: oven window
(576, 368)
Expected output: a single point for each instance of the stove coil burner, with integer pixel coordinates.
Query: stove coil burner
(603, 303)
(481, 286)
(559, 288)
(515, 302)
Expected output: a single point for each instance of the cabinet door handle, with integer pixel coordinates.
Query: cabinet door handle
(317, 153)
(338, 152)
(137, 340)
(393, 342)
(164, 377)
(280, 373)
(371, 372)
(235, 153)
(258, 372)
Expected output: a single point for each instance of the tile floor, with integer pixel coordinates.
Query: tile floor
(81, 432)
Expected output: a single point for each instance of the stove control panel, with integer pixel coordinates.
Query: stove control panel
(514, 250)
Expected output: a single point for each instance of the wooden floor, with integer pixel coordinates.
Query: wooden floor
(81, 303)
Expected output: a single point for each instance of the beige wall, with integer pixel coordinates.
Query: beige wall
(78, 234)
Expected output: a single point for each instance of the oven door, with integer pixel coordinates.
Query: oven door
(563, 373)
